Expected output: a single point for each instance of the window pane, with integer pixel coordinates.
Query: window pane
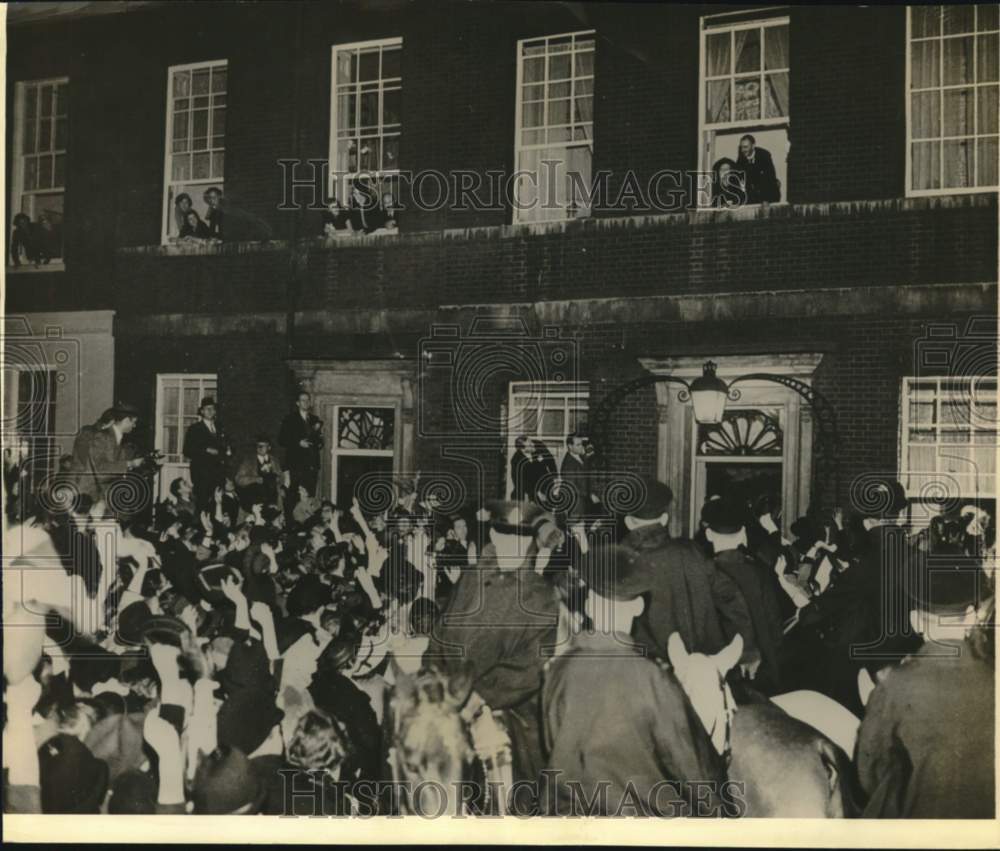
(31, 101)
(717, 108)
(534, 70)
(560, 67)
(776, 47)
(181, 125)
(390, 106)
(534, 92)
(44, 172)
(344, 66)
(776, 95)
(560, 90)
(391, 60)
(926, 115)
(31, 173)
(45, 134)
(958, 112)
(390, 152)
(368, 62)
(747, 98)
(182, 84)
(199, 82)
(585, 63)
(369, 110)
(46, 109)
(988, 119)
(926, 20)
(61, 134)
(59, 177)
(925, 64)
(558, 112)
(181, 168)
(219, 80)
(218, 164)
(199, 121)
(532, 114)
(202, 166)
(987, 162)
(171, 399)
(717, 59)
(29, 136)
(988, 16)
(958, 163)
(958, 61)
(959, 19)
(926, 165)
(987, 51)
(747, 49)
(190, 400)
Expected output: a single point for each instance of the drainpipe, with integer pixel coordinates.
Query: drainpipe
(297, 255)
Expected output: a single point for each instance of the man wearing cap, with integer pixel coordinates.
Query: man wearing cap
(725, 519)
(498, 623)
(108, 457)
(925, 746)
(206, 447)
(623, 738)
(687, 594)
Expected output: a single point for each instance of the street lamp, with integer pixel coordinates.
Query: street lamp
(708, 396)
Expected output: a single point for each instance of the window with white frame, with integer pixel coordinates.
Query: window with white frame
(363, 453)
(555, 127)
(41, 139)
(546, 411)
(177, 399)
(948, 436)
(366, 116)
(952, 119)
(195, 145)
(744, 91)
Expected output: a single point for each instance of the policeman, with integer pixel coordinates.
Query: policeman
(500, 626)
(925, 747)
(725, 520)
(622, 735)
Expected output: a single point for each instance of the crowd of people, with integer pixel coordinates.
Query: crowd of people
(249, 647)
(367, 212)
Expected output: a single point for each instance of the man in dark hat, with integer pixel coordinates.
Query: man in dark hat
(499, 621)
(206, 447)
(687, 594)
(725, 521)
(622, 736)
(925, 747)
(72, 779)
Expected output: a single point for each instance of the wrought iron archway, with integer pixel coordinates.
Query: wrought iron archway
(826, 444)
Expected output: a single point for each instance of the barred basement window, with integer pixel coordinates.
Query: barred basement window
(41, 140)
(554, 144)
(948, 437)
(953, 54)
(196, 140)
(366, 116)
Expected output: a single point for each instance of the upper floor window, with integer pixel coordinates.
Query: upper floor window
(744, 111)
(195, 151)
(555, 127)
(952, 120)
(41, 139)
(366, 126)
(948, 436)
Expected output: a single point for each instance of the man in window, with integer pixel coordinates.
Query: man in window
(214, 215)
(760, 181)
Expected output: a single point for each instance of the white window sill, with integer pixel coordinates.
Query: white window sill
(31, 268)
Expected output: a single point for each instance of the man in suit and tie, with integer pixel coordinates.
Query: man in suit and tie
(301, 436)
(206, 447)
(262, 468)
(574, 476)
(757, 166)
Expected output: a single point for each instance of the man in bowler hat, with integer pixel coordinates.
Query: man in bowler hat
(206, 447)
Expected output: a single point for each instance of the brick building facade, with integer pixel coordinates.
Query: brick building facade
(843, 285)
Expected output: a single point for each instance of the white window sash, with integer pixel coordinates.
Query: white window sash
(168, 182)
(971, 138)
(204, 381)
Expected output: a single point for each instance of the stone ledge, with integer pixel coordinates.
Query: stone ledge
(833, 210)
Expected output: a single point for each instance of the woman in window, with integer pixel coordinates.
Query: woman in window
(194, 227)
(365, 214)
(182, 206)
(727, 185)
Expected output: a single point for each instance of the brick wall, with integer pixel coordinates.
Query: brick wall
(922, 241)
(847, 106)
